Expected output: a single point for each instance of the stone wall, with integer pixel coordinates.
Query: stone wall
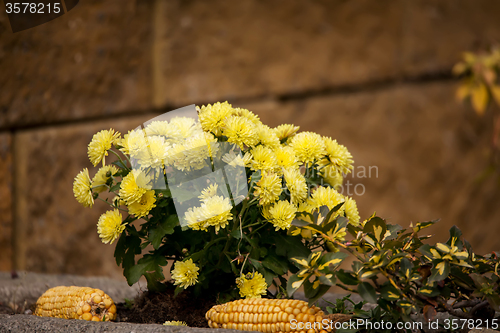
(373, 74)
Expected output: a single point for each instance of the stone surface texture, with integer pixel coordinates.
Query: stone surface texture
(373, 74)
(6, 186)
(75, 66)
(406, 142)
(61, 235)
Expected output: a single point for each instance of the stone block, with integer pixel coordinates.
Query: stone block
(436, 33)
(221, 50)
(93, 61)
(6, 220)
(61, 235)
(425, 152)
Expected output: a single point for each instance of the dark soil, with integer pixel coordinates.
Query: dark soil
(157, 308)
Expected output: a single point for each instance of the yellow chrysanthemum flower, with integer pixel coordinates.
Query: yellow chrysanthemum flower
(101, 177)
(143, 206)
(285, 157)
(158, 128)
(337, 155)
(309, 147)
(252, 285)
(247, 114)
(175, 323)
(240, 131)
(296, 185)
(184, 127)
(286, 131)
(281, 214)
(154, 154)
(268, 188)
(351, 211)
(267, 136)
(82, 188)
(325, 196)
(109, 226)
(133, 143)
(212, 117)
(100, 144)
(209, 192)
(236, 160)
(193, 154)
(215, 211)
(332, 176)
(133, 186)
(264, 159)
(185, 273)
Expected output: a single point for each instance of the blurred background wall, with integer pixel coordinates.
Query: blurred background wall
(376, 75)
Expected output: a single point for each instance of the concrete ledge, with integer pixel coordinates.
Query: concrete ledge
(30, 323)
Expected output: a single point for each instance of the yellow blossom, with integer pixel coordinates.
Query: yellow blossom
(337, 156)
(157, 128)
(133, 142)
(286, 131)
(351, 211)
(133, 186)
(214, 211)
(185, 273)
(101, 177)
(212, 117)
(209, 192)
(252, 285)
(82, 189)
(100, 144)
(285, 157)
(296, 185)
(268, 188)
(109, 226)
(267, 136)
(325, 196)
(247, 114)
(235, 160)
(264, 159)
(309, 147)
(281, 214)
(181, 128)
(240, 131)
(332, 176)
(174, 323)
(142, 207)
(154, 154)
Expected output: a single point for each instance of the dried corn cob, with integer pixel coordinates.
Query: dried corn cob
(269, 315)
(76, 303)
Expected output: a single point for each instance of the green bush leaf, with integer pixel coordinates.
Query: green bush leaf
(367, 291)
(440, 270)
(377, 227)
(347, 277)
(294, 283)
(162, 229)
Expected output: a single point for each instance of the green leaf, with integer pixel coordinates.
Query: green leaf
(331, 258)
(309, 291)
(322, 289)
(148, 263)
(429, 291)
(426, 251)
(393, 230)
(405, 267)
(389, 293)
(377, 227)
(347, 277)
(290, 246)
(115, 187)
(367, 292)
(162, 229)
(274, 264)
(120, 164)
(331, 212)
(120, 249)
(440, 270)
(294, 283)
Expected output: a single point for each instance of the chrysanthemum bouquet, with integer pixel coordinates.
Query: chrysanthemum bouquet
(234, 203)
(244, 210)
